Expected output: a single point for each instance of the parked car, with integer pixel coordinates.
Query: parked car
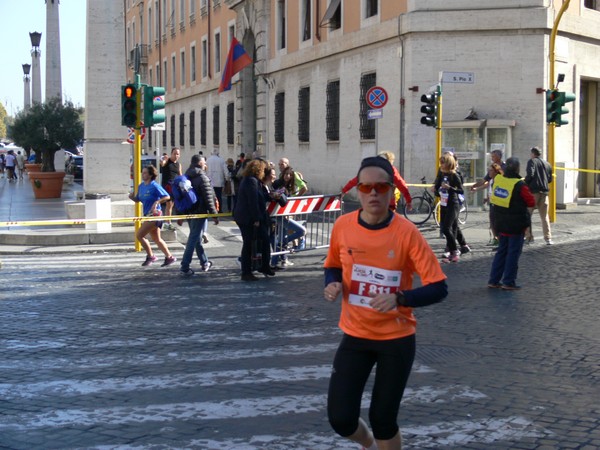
(75, 167)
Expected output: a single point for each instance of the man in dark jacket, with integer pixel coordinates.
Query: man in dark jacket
(511, 199)
(538, 177)
(205, 205)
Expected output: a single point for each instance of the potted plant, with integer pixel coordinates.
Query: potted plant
(47, 128)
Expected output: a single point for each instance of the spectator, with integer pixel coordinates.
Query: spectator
(152, 195)
(205, 205)
(373, 257)
(448, 188)
(10, 161)
(301, 186)
(398, 182)
(511, 199)
(537, 178)
(497, 167)
(229, 188)
(217, 172)
(170, 168)
(20, 164)
(250, 215)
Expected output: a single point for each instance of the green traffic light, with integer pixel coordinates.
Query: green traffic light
(154, 105)
(555, 106)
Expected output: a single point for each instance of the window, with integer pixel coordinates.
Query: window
(306, 20)
(173, 72)
(304, 114)
(217, 52)
(592, 4)
(279, 117)
(156, 23)
(164, 17)
(204, 58)
(193, 64)
(158, 82)
(192, 8)
(165, 84)
(150, 26)
(371, 8)
(182, 68)
(172, 17)
(230, 123)
(216, 111)
(164, 137)
(192, 125)
(231, 34)
(172, 130)
(150, 139)
(203, 7)
(367, 127)
(181, 129)
(281, 24)
(333, 111)
(181, 12)
(333, 16)
(150, 77)
(203, 126)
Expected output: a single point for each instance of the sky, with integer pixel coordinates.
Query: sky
(20, 17)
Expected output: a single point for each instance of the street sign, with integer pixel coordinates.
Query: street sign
(131, 134)
(458, 77)
(375, 114)
(376, 97)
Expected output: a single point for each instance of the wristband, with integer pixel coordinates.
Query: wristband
(400, 299)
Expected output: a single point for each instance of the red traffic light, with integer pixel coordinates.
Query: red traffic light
(129, 91)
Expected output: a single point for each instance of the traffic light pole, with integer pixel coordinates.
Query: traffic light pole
(552, 126)
(438, 128)
(137, 157)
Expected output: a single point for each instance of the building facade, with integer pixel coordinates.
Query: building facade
(315, 60)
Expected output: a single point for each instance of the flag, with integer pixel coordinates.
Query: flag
(237, 59)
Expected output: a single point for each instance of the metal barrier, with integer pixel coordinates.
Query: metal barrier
(304, 223)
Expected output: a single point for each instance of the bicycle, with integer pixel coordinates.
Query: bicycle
(423, 206)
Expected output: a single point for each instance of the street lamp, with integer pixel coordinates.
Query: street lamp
(35, 37)
(26, 87)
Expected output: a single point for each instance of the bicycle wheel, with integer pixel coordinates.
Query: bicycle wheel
(462, 214)
(420, 212)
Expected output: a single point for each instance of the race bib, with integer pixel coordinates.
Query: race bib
(371, 280)
(444, 198)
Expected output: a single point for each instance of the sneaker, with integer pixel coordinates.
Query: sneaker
(529, 240)
(180, 222)
(494, 285)
(511, 287)
(149, 260)
(286, 263)
(168, 261)
(206, 267)
(454, 258)
(187, 272)
(493, 242)
(249, 277)
(204, 239)
(446, 254)
(464, 249)
(549, 242)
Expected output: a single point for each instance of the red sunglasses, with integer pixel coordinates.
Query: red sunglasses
(380, 188)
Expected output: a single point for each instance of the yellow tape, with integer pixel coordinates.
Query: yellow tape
(578, 170)
(34, 223)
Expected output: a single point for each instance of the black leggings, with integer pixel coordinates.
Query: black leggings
(352, 366)
(449, 224)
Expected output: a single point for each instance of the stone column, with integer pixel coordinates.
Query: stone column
(106, 160)
(53, 68)
(36, 73)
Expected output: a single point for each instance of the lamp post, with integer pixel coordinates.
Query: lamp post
(26, 86)
(36, 75)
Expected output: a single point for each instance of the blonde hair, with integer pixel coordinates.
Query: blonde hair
(388, 155)
(448, 163)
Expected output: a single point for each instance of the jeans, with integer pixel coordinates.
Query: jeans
(506, 261)
(194, 242)
(281, 239)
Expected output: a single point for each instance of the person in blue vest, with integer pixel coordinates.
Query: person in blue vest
(511, 199)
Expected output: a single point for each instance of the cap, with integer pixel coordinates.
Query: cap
(377, 161)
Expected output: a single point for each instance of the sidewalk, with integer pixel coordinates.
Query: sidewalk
(17, 203)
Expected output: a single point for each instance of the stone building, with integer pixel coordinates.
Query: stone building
(314, 61)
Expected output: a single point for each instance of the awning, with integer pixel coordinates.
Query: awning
(331, 10)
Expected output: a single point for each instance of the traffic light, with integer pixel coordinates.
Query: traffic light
(430, 109)
(129, 105)
(154, 101)
(555, 106)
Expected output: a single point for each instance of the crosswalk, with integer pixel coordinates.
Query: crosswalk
(97, 353)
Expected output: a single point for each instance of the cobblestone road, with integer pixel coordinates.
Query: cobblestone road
(97, 352)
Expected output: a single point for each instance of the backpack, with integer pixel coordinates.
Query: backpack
(184, 195)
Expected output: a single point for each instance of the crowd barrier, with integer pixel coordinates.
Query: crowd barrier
(303, 223)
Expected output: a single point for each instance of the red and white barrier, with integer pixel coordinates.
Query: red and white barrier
(306, 205)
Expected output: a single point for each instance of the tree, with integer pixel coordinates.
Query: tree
(3, 116)
(48, 127)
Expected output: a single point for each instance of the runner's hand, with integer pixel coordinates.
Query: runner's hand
(383, 302)
(332, 290)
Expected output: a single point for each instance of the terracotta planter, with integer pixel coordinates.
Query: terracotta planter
(33, 167)
(47, 184)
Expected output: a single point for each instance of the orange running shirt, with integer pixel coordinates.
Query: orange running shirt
(381, 261)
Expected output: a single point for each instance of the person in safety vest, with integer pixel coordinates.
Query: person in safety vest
(511, 197)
